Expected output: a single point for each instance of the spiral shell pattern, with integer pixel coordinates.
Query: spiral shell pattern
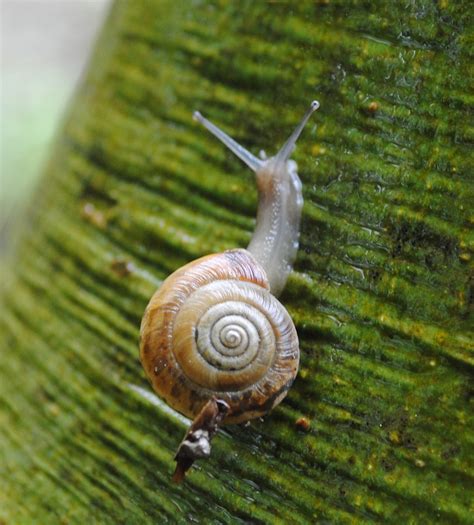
(214, 329)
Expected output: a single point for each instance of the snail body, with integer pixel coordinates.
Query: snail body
(214, 338)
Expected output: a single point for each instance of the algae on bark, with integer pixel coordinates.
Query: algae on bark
(381, 293)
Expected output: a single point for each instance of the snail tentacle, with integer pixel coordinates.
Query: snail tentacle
(244, 155)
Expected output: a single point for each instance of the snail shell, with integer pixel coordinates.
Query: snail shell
(214, 329)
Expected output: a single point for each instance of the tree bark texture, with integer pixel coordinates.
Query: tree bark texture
(380, 294)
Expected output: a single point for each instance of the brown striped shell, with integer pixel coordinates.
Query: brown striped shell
(214, 329)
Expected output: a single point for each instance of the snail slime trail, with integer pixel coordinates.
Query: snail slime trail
(215, 342)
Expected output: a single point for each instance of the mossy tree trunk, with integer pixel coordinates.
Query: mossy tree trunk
(380, 295)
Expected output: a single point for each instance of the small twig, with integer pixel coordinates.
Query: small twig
(197, 441)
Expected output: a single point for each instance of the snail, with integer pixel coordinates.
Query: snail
(215, 342)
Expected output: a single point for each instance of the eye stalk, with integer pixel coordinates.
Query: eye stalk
(287, 149)
(252, 162)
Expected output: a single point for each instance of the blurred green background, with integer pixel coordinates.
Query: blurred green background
(45, 45)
